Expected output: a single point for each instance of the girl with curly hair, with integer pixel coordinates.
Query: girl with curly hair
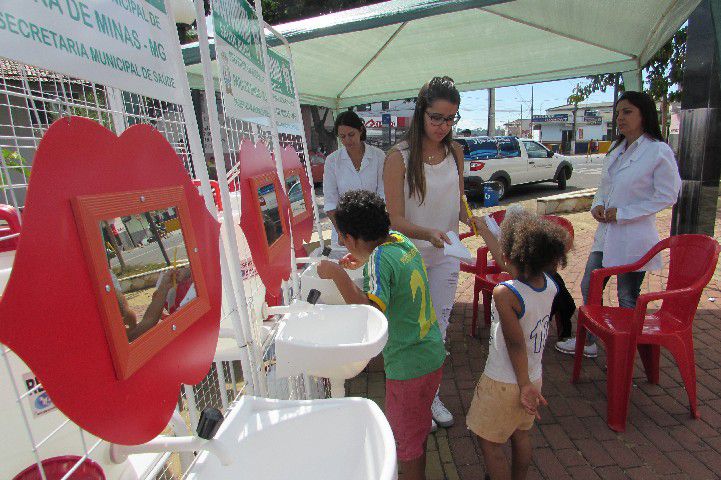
(508, 394)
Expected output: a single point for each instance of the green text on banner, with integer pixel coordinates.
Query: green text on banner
(240, 61)
(124, 44)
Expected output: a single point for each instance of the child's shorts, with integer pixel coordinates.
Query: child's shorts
(408, 410)
(496, 411)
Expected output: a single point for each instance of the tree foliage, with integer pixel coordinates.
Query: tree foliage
(664, 74)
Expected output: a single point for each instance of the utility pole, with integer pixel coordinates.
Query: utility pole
(530, 123)
(491, 112)
(520, 122)
(615, 99)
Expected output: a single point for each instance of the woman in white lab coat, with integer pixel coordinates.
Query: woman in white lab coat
(354, 166)
(640, 178)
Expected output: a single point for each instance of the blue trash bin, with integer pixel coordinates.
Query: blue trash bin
(490, 194)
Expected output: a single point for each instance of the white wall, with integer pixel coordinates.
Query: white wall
(590, 131)
(551, 132)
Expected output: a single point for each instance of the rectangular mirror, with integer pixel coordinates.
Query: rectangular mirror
(269, 211)
(148, 263)
(146, 270)
(295, 195)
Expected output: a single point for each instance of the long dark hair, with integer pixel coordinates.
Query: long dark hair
(649, 114)
(350, 119)
(439, 88)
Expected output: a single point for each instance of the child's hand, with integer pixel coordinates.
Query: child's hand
(350, 262)
(328, 270)
(531, 398)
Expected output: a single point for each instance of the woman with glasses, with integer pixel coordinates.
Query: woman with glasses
(423, 180)
(354, 166)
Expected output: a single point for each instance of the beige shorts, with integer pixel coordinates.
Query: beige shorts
(496, 411)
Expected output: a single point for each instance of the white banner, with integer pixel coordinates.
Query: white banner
(283, 89)
(240, 61)
(120, 43)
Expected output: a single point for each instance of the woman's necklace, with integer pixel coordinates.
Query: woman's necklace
(434, 156)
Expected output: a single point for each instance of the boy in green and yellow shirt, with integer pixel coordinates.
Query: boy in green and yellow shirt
(395, 282)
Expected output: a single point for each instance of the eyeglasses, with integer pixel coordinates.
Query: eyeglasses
(437, 119)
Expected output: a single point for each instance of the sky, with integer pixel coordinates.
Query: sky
(509, 100)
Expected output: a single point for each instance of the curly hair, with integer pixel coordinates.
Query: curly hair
(362, 214)
(532, 244)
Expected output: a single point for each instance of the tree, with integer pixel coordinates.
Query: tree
(664, 75)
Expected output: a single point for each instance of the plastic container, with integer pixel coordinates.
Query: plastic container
(490, 194)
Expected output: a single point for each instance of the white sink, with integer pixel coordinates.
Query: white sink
(346, 438)
(333, 341)
(329, 293)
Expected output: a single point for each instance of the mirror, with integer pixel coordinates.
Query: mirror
(148, 261)
(295, 195)
(270, 214)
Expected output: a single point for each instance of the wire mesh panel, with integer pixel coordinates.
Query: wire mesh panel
(30, 101)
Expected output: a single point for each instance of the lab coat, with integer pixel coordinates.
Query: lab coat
(340, 176)
(644, 183)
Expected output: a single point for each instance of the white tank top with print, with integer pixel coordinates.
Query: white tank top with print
(534, 319)
(441, 207)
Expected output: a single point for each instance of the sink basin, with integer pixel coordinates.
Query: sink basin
(329, 293)
(332, 341)
(346, 438)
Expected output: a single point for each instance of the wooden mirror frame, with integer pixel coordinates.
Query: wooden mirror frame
(89, 210)
(283, 241)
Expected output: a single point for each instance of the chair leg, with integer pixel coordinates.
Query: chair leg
(618, 384)
(682, 352)
(650, 356)
(487, 307)
(474, 320)
(578, 354)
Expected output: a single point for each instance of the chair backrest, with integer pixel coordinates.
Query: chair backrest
(692, 263)
(498, 216)
(563, 222)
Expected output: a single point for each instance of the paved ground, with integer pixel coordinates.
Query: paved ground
(572, 439)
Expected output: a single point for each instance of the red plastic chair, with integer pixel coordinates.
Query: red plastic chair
(623, 330)
(487, 277)
(483, 266)
(11, 217)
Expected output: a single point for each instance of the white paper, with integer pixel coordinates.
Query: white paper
(456, 248)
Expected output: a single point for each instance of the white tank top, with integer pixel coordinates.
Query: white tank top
(441, 207)
(534, 319)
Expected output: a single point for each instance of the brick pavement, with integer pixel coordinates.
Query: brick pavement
(572, 439)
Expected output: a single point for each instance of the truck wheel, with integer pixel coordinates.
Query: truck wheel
(502, 187)
(562, 176)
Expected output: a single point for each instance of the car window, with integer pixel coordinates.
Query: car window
(509, 147)
(535, 150)
(484, 148)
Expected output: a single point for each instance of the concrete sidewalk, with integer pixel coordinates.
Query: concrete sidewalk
(572, 440)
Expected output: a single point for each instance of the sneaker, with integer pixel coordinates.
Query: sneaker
(569, 347)
(434, 426)
(441, 414)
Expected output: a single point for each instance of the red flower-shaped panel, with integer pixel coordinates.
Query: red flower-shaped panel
(50, 313)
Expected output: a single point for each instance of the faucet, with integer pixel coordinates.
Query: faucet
(298, 306)
(210, 420)
(311, 260)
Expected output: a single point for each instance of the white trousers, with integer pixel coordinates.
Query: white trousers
(442, 281)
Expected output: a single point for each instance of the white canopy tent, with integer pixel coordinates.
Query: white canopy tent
(388, 50)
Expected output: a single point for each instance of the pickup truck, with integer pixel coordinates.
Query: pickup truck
(510, 161)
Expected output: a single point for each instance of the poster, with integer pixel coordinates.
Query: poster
(119, 43)
(281, 81)
(241, 65)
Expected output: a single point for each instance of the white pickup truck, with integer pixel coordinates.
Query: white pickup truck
(510, 161)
